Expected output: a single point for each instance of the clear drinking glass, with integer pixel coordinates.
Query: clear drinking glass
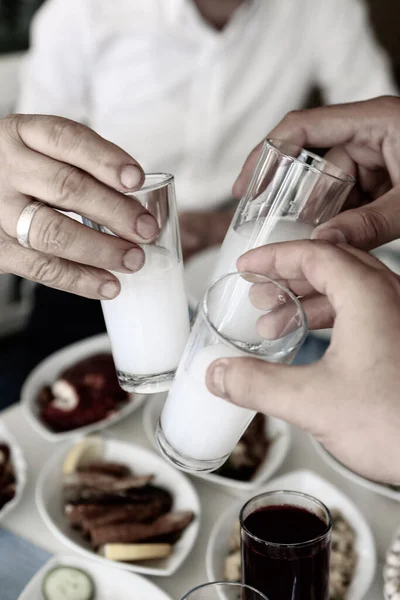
(291, 192)
(285, 541)
(223, 590)
(242, 314)
(148, 322)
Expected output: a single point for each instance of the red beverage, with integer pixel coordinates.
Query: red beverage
(285, 550)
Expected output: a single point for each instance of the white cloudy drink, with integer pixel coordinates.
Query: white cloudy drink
(253, 234)
(197, 424)
(148, 322)
(236, 312)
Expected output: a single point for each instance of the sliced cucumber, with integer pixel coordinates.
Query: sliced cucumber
(68, 583)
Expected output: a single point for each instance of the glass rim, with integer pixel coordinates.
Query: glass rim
(341, 176)
(310, 542)
(152, 182)
(226, 341)
(223, 583)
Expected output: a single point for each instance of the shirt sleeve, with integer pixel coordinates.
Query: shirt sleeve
(350, 64)
(54, 78)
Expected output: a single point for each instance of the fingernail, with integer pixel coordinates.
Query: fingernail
(217, 378)
(109, 290)
(146, 227)
(130, 176)
(133, 259)
(336, 236)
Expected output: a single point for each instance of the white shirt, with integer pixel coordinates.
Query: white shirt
(181, 97)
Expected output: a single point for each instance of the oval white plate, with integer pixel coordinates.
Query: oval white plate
(309, 483)
(109, 582)
(48, 370)
(372, 486)
(20, 468)
(277, 431)
(50, 504)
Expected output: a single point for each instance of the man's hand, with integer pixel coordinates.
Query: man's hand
(349, 400)
(69, 167)
(365, 141)
(200, 230)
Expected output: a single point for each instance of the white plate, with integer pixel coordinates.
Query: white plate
(50, 503)
(20, 469)
(309, 483)
(198, 272)
(109, 582)
(372, 486)
(277, 430)
(47, 371)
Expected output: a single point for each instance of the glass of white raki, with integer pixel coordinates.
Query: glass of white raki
(291, 192)
(148, 322)
(241, 315)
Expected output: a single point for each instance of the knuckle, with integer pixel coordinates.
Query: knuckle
(5, 256)
(9, 127)
(64, 133)
(52, 237)
(294, 115)
(68, 182)
(47, 270)
(374, 225)
(389, 104)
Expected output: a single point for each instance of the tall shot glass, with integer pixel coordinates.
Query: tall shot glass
(148, 322)
(223, 590)
(292, 191)
(241, 315)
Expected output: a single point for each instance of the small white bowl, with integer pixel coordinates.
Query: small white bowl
(48, 370)
(277, 431)
(308, 483)
(109, 582)
(49, 500)
(20, 469)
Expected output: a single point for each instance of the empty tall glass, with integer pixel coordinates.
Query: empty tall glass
(222, 590)
(148, 322)
(241, 315)
(291, 192)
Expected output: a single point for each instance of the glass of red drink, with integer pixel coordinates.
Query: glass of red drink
(285, 540)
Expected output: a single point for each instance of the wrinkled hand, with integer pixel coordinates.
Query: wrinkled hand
(349, 400)
(200, 230)
(69, 167)
(365, 141)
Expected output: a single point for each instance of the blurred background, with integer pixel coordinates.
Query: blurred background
(15, 20)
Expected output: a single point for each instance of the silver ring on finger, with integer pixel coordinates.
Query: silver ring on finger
(25, 221)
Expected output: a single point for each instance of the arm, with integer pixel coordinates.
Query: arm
(350, 64)
(54, 78)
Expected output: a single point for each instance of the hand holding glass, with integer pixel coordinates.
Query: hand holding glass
(241, 315)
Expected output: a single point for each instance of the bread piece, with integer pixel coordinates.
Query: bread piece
(135, 552)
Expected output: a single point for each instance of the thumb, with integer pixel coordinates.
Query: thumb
(280, 391)
(366, 227)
